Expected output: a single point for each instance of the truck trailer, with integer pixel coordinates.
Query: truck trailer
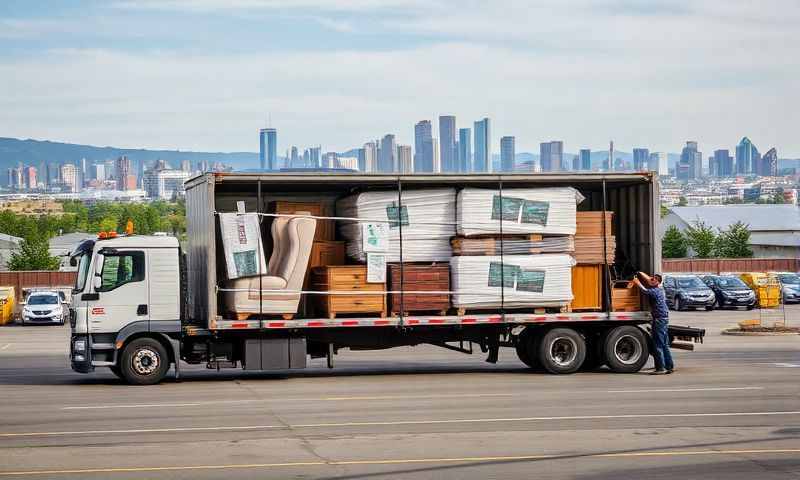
(143, 303)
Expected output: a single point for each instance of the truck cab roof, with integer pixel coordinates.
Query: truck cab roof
(139, 241)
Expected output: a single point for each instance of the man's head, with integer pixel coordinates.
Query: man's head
(650, 281)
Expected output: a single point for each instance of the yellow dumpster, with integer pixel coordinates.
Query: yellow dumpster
(766, 287)
(7, 296)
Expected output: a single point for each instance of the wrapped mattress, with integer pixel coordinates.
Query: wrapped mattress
(427, 218)
(522, 210)
(523, 280)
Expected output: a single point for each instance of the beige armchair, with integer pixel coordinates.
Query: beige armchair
(292, 240)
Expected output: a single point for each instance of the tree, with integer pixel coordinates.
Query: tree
(664, 211)
(673, 245)
(702, 239)
(33, 254)
(734, 242)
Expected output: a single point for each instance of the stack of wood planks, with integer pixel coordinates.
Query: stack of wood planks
(530, 244)
(589, 238)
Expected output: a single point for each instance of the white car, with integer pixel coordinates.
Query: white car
(44, 307)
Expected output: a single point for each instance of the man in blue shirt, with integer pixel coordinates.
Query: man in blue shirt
(658, 307)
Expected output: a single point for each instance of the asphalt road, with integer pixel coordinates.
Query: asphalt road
(731, 410)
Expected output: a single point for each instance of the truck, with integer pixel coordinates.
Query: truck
(144, 303)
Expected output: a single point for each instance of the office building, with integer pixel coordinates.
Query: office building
(314, 157)
(368, 157)
(423, 146)
(551, 156)
(723, 163)
(268, 148)
(447, 144)
(53, 172)
(29, 177)
(768, 164)
(483, 146)
(100, 172)
(294, 158)
(329, 160)
(507, 154)
(69, 177)
(747, 157)
(576, 163)
(123, 174)
(690, 166)
(164, 184)
(405, 160)
(387, 157)
(464, 150)
(610, 161)
(641, 159)
(585, 159)
(659, 163)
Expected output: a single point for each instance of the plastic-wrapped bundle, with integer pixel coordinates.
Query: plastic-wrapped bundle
(427, 218)
(512, 245)
(522, 210)
(528, 280)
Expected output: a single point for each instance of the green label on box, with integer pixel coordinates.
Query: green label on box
(534, 211)
(502, 274)
(397, 216)
(245, 263)
(508, 211)
(530, 281)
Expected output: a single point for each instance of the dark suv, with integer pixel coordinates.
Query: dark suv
(731, 291)
(688, 291)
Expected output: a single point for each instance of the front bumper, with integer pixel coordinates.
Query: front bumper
(44, 318)
(699, 302)
(791, 297)
(738, 301)
(80, 360)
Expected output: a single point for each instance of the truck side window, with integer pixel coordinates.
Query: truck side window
(121, 268)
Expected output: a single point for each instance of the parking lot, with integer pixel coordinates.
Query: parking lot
(731, 410)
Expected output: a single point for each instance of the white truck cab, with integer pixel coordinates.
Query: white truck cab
(126, 305)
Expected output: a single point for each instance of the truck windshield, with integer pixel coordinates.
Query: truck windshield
(83, 272)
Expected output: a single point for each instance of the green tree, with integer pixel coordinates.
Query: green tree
(734, 242)
(702, 239)
(673, 245)
(664, 211)
(33, 254)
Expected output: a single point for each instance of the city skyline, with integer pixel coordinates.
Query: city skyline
(63, 64)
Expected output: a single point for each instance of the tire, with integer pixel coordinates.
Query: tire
(709, 308)
(626, 349)
(562, 351)
(678, 306)
(750, 307)
(116, 371)
(526, 349)
(144, 361)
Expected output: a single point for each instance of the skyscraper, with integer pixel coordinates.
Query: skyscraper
(69, 177)
(464, 150)
(690, 166)
(404, 159)
(768, 163)
(747, 157)
(724, 163)
(387, 158)
(447, 143)
(659, 163)
(186, 166)
(423, 146)
(483, 146)
(370, 157)
(507, 154)
(122, 173)
(30, 177)
(294, 158)
(314, 157)
(641, 157)
(268, 151)
(551, 155)
(437, 162)
(610, 165)
(586, 159)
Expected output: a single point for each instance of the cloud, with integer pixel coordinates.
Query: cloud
(233, 5)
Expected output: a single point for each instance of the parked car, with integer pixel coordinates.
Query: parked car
(688, 291)
(730, 291)
(790, 286)
(44, 307)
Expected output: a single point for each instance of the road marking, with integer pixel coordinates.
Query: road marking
(397, 461)
(395, 422)
(5, 346)
(709, 389)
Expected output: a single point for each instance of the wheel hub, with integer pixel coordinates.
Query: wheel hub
(146, 361)
(563, 351)
(627, 349)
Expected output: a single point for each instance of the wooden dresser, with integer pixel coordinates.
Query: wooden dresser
(349, 278)
(587, 288)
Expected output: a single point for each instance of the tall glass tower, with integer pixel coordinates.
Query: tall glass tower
(447, 143)
(483, 146)
(268, 148)
(464, 150)
(507, 154)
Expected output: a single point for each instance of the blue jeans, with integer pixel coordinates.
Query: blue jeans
(661, 354)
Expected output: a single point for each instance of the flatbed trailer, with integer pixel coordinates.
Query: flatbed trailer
(193, 325)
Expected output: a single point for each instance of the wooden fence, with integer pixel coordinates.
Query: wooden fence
(720, 265)
(44, 279)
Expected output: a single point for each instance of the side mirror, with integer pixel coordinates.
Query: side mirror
(97, 282)
(73, 262)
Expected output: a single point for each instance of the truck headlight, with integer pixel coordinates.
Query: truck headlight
(79, 346)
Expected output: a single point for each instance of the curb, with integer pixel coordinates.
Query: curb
(738, 333)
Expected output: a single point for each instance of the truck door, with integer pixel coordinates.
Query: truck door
(122, 294)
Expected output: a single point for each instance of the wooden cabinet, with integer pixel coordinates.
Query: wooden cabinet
(587, 287)
(323, 253)
(326, 229)
(420, 278)
(347, 278)
(625, 297)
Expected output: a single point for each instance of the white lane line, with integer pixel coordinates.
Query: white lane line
(396, 422)
(318, 399)
(708, 389)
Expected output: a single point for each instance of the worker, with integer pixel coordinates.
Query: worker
(649, 285)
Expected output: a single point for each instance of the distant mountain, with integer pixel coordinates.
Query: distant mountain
(36, 152)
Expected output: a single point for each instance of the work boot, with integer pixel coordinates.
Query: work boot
(659, 372)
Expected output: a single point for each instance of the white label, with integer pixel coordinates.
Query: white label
(240, 206)
(375, 237)
(376, 268)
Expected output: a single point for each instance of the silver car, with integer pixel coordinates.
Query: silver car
(44, 307)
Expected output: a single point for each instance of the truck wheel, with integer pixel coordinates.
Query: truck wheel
(626, 349)
(526, 349)
(144, 361)
(562, 350)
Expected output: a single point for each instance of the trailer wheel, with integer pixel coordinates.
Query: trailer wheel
(562, 350)
(526, 349)
(144, 361)
(626, 349)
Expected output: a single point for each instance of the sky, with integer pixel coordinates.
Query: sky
(205, 75)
